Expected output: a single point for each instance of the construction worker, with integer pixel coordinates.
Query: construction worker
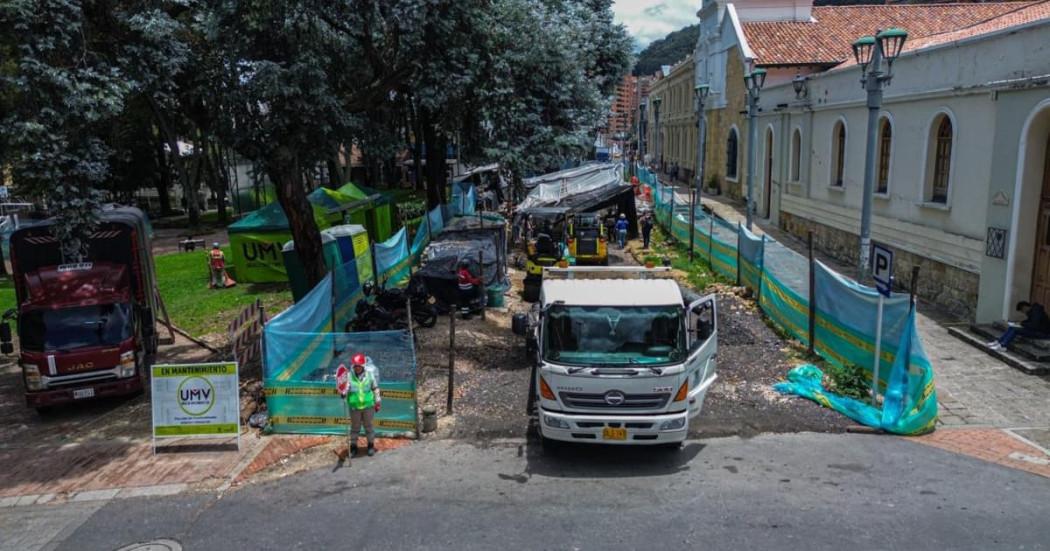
(363, 398)
(217, 264)
(621, 230)
(467, 287)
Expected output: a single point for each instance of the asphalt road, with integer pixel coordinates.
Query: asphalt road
(789, 491)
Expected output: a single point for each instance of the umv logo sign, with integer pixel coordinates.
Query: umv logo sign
(196, 396)
(257, 250)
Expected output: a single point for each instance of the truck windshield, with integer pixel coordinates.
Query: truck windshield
(599, 335)
(75, 327)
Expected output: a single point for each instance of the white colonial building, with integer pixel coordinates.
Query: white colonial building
(962, 153)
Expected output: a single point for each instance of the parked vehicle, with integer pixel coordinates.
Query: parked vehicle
(386, 309)
(86, 329)
(544, 247)
(621, 355)
(588, 242)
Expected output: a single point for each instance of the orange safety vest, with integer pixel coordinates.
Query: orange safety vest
(218, 260)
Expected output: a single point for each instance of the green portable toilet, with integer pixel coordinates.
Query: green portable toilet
(340, 245)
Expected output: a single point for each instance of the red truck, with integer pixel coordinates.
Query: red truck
(85, 329)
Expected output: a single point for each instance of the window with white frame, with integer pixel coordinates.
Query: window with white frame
(838, 154)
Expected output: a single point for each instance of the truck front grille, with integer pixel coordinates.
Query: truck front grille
(579, 400)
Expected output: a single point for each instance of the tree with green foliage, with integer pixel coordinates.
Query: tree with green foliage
(78, 65)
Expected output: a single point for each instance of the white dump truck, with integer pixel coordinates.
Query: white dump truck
(622, 355)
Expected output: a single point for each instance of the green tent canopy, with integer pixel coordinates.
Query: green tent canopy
(257, 239)
(372, 209)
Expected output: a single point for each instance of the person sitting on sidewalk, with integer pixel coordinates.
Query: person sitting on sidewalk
(1035, 326)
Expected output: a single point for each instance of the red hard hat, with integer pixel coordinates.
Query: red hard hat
(358, 359)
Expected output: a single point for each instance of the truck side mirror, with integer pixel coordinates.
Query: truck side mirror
(5, 338)
(519, 324)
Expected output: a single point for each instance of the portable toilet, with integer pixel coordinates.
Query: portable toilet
(341, 245)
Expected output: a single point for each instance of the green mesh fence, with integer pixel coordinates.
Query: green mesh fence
(845, 320)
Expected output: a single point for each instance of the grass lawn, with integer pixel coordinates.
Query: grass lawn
(698, 274)
(183, 280)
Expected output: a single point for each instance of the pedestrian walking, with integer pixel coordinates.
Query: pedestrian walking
(363, 398)
(647, 229)
(1036, 325)
(621, 230)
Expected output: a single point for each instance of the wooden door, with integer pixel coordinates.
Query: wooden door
(1041, 271)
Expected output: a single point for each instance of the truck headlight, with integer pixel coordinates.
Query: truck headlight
(554, 422)
(127, 364)
(32, 377)
(673, 424)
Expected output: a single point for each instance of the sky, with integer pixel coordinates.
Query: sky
(648, 20)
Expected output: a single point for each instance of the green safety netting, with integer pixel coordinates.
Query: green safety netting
(304, 344)
(845, 315)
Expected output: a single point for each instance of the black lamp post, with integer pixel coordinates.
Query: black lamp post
(701, 93)
(657, 153)
(754, 82)
(870, 51)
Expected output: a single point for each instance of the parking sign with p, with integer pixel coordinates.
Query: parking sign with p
(882, 268)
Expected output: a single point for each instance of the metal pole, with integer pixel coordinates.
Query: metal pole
(878, 353)
(701, 131)
(692, 217)
(812, 296)
(481, 286)
(873, 83)
(914, 284)
(451, 359)
(710, 241)
(752, 137)
(738, 232)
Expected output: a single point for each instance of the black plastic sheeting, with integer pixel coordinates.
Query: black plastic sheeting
(462, 239)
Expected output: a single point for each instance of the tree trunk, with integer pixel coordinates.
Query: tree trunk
(288, 185)
(435, 156)
(416, 143)
(221, 181)
(193, 211)
(164, 182)
(173, 147)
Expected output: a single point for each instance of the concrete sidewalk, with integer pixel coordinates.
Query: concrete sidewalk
(973, 388)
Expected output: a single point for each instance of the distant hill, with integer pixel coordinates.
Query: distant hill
(666, 51)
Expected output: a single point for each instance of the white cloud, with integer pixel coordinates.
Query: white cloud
(649, 20)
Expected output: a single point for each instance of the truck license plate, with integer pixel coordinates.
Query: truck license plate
(610, 433)
(83, 393)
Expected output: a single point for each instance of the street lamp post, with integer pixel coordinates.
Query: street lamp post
(701, 92)
(754, 82)
(641, 132)
(870, 51)
(657, 153)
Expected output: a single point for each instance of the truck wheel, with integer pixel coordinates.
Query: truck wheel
(45, 411)
(550, 446)
(531, 291)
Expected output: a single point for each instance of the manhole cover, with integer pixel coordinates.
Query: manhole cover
(155, 545)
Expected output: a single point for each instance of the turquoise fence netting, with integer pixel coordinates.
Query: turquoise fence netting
(845, 315)
(304, 345)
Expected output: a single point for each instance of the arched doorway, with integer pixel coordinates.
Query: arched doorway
(1028, 259)
(1041, 269)
(767, 191)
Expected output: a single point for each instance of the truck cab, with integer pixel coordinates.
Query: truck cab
(85, 329)
(622, 357)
